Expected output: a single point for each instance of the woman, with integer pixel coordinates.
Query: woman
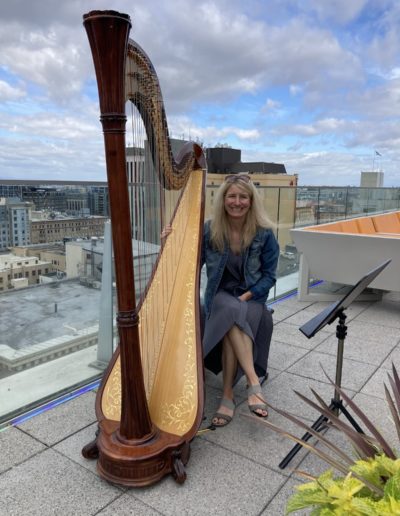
(241, 254)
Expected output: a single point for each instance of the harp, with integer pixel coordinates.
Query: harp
(150, 402)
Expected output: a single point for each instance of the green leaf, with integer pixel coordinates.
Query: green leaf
(324, 511)
(394, 506)
(304, 499)
(370, 470)
(368, 507)
(388, 466)
(392, 488)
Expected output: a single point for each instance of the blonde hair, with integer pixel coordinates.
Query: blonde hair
(255, 218)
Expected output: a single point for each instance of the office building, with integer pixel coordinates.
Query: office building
(14, 222)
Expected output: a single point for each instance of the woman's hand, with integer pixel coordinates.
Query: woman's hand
(167, 230)
(246, 296)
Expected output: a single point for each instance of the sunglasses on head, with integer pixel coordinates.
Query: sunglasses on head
(233, 178)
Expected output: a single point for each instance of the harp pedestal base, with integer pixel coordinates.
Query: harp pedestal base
(136, 465)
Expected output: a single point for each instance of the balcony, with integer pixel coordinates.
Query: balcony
(234, 469)
(47, 388)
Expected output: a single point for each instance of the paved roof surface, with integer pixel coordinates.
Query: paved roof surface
(233, 470)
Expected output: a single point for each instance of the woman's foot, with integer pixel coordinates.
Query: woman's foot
(255, 400)
(225, 413)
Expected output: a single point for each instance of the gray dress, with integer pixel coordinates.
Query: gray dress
(227, 310)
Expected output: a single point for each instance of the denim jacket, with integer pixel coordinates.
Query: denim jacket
(259, 265)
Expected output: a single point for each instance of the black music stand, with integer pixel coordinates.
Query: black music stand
(313, 326)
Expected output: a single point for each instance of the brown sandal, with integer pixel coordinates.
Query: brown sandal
(229, 404)
(253, 407)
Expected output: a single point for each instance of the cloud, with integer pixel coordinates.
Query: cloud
(295, 77)
(339, 11)
(182, 127)
(8, 92)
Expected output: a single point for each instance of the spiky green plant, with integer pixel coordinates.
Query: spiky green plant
(370, 482)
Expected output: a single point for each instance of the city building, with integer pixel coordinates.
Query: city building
(225, 160)
(77, 203)
(14, 222)
(98, 200)
(18, 272)
(372, 179)
(45, 197)
(73, 197)
(84, 259)
(53, 253)
(58, 229)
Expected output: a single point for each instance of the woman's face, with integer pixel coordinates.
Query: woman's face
(237, 202)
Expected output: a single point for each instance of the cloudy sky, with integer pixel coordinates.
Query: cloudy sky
(313, 84)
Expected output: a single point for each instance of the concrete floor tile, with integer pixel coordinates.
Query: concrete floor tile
(290, 334)
(356, 348)
(354, 374)
(373, 330)
(49, 484)
(58, 423)
(393, 358)
(72, 446)
(16, 447)
(375, 385)
(291, 302)
(250, 437)
(128, 505)
(281, 315)
(277, 506)
(218, 482)
(284, 355)
(303, 317)
(380, 416)
(315, 465)
(281, 394)
(386, 313)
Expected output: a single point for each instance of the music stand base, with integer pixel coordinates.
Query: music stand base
(311, 328)
(318, 426)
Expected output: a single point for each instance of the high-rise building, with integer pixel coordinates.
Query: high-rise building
(14, 222)
(98, 200)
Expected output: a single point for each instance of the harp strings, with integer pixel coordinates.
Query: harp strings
(152, 207)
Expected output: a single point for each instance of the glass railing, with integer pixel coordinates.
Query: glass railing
(56, 321)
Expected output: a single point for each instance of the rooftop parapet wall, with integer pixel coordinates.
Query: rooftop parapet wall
(20, 359)
(385, 224)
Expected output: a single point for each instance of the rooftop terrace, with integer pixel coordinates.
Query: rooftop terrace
(233, 470)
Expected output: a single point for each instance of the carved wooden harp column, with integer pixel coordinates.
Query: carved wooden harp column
(139, 441)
